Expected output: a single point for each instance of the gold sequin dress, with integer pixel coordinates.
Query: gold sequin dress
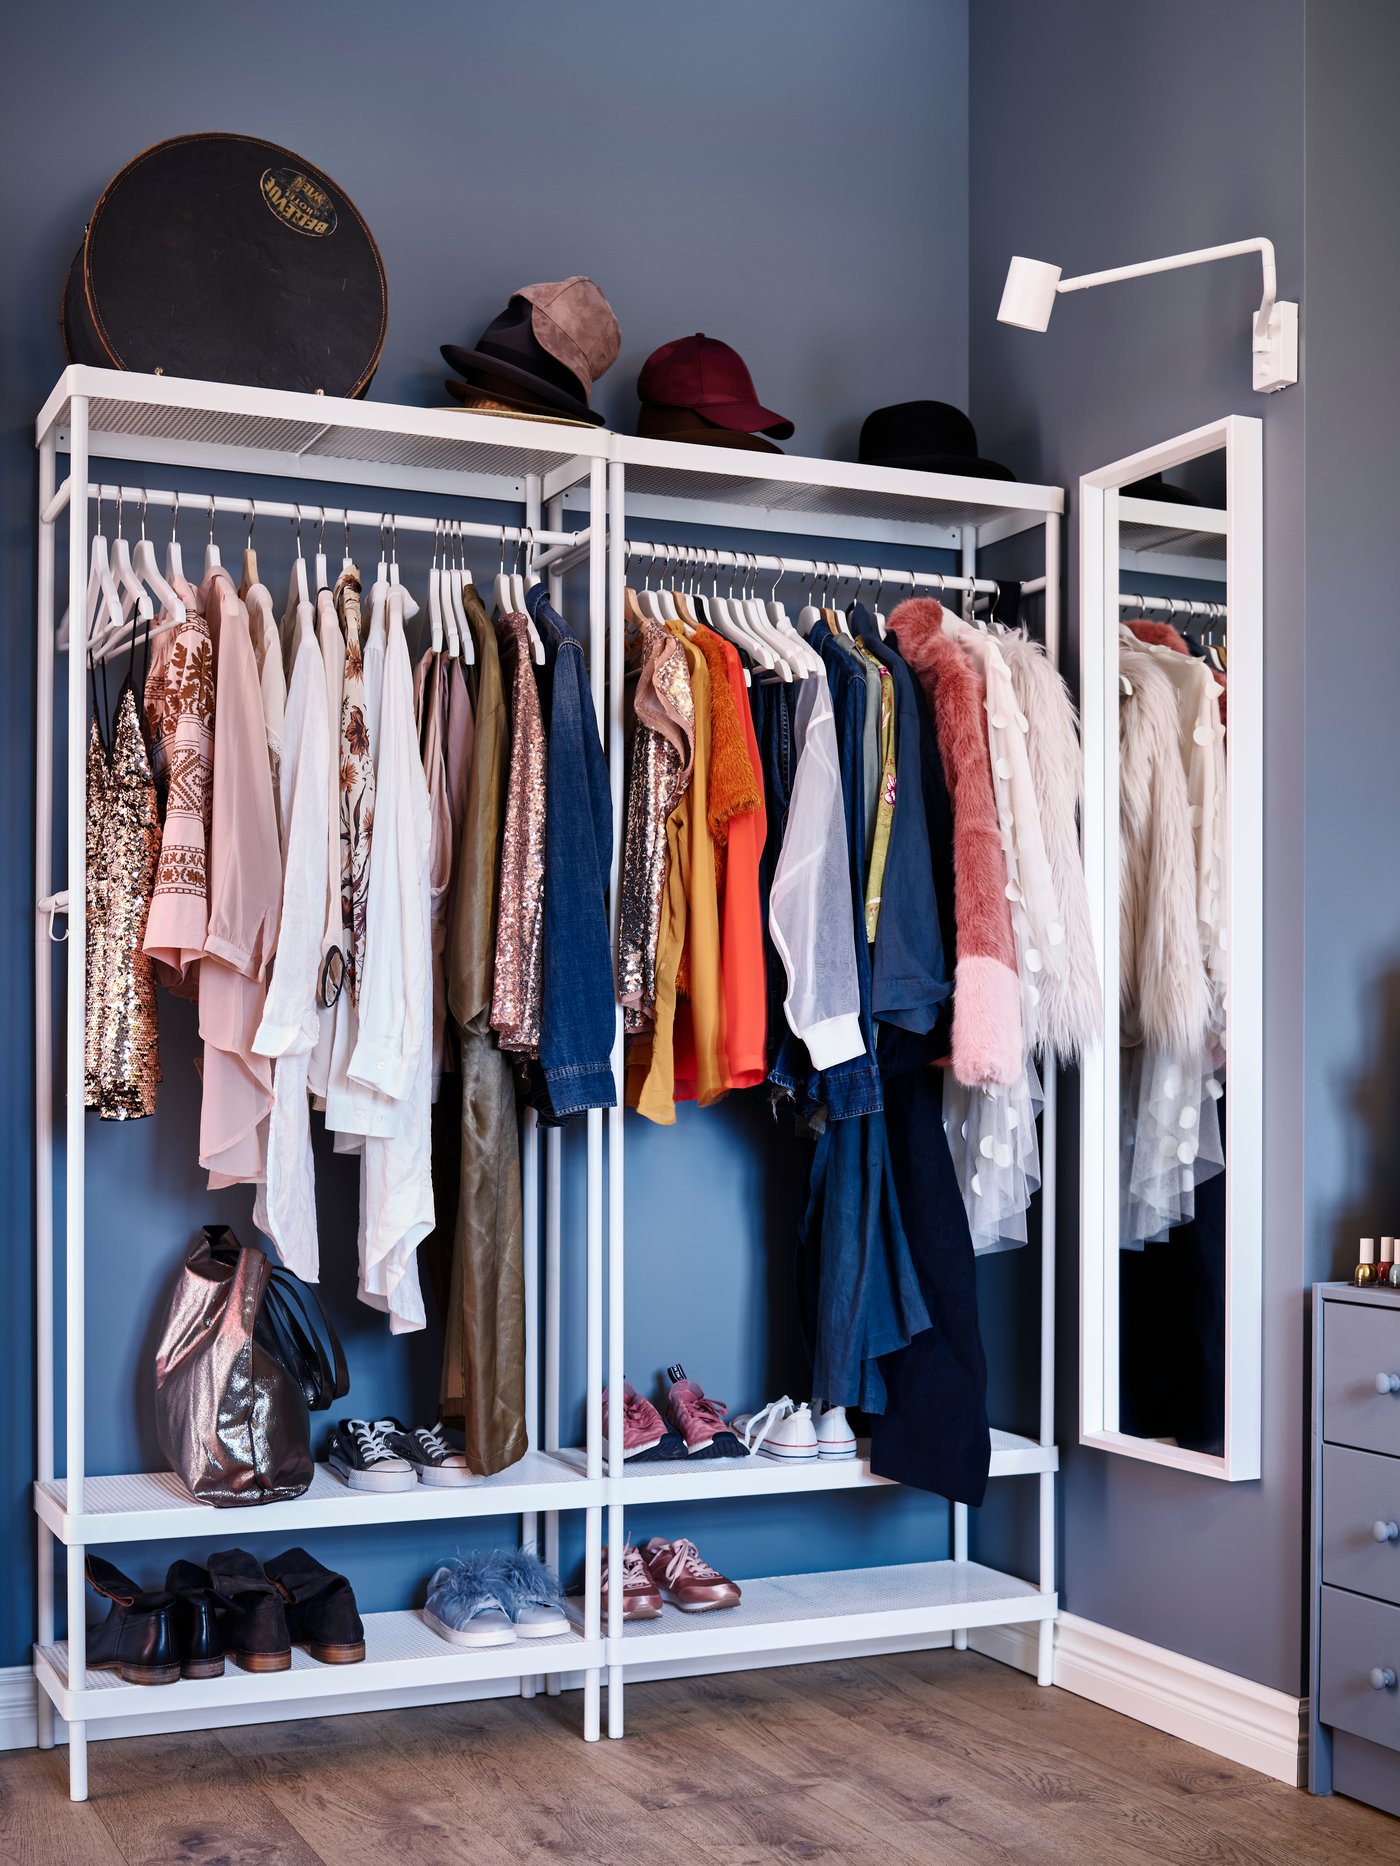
(121, 1039)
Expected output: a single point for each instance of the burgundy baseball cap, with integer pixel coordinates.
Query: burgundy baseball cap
(705, 375)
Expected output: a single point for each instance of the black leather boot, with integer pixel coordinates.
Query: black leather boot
(198, 1612)
(137, 1639)
(321, 1611)
(255, 1629)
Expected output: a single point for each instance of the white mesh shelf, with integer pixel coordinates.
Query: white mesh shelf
(696, 1480)
(780, 1611)
(155, 1506)
(401, 1652)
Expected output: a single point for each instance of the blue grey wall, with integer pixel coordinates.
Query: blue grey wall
(791, 177)
(1353, 575)
(1104, 133)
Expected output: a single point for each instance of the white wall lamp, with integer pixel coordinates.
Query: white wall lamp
(1031, 286)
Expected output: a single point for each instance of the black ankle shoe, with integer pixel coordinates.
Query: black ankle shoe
(137, 1639)
(321, 1611)
(198, 1611)
(255, 1629)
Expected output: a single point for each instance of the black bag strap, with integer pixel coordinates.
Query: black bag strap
(289, 1307)
(293, 1313)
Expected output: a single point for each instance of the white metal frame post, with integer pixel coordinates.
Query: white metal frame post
(1049, 1187)
(967, 567)
(75, 1286)
(616, 561)
(44, 911)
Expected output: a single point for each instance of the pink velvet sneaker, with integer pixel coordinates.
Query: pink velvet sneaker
(642, 1424)
(641, 1598)
(698, 1420)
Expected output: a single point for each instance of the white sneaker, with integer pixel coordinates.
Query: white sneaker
(835, 1439)
(780, 1430)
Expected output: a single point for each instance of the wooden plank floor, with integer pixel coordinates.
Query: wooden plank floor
(910, 1761)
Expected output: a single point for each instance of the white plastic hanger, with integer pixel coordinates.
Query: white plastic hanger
(174, 560)
(144, 563)
(802, 655)
(135, 601)
(878, 611)
(755, 617)
(102, 593)
(250, 557)
(322, 576)
(501, 594)
(389, 572)
(518, 582)
(297, 592)
(456, 580)
(212, 560)
(347, 562)
(435, 629)
(721, 611)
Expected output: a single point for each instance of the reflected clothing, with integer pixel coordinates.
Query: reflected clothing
(517, 994)
(483, 1372)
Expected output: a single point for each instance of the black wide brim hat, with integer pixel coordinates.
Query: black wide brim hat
(927, 437)
(510, 360)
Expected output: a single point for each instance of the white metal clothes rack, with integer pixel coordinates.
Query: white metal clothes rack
(226, 428)
(700, 486)
(547, 471)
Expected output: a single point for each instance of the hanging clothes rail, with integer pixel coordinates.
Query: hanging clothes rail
(207, 504)
(1174, 606)
(700, 557)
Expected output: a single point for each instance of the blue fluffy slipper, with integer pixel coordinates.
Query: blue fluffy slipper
(466, 1604)
(531, 1594)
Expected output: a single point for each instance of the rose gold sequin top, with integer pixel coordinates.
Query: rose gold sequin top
(518, 993)
(121, 1039)
(663, 748)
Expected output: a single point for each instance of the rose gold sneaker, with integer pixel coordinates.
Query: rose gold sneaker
(683, 1580)
(642, 1425)
(641, 1600)
(698, 1420)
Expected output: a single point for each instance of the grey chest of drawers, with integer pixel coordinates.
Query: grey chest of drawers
(1354, 1727)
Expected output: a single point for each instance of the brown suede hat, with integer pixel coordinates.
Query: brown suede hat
(574, 321)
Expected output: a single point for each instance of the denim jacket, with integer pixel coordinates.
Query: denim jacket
(579, 1010)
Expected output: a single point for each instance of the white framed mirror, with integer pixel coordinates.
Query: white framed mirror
(1172, 639)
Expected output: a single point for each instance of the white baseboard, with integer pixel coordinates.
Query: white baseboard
(1230, 1716)
(1218, 1711)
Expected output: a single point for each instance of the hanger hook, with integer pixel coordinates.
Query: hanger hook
(252, 519)
(345, 525)
(144, 497)
(174, 514)
(394, 537)
(320, 533)
(297, 523)
(211, 518)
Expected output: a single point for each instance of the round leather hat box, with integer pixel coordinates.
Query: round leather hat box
(231, 259)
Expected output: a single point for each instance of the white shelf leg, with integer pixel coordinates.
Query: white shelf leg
(43, 1069)
(960, 1554)
(553, 1190)
(1045, 1661)
(75, 1285)
(592, 1619)
(617, 1341)
(1049, 1209)
(616, 1725)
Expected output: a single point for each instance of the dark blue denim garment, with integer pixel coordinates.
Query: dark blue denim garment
(771, 704)
(856, 1263)
(578, 1010)
(909, 980)
(933, 1432)
(853, 1087)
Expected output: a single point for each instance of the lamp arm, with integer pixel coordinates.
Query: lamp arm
(1265, 248)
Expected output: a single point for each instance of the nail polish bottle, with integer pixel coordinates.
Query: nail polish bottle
(1364, 1275)
(1386, 1264)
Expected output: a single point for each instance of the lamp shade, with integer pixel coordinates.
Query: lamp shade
(1029, 297)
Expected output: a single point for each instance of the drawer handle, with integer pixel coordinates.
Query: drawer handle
(1386, 1532)
(1382, 1678)
(1388, 1383)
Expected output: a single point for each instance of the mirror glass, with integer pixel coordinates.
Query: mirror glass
(1165, 805)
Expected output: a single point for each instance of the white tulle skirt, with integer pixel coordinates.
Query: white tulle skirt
(996, 1155)
(1169, 1138)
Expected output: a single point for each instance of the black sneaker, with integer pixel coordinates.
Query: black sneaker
(434, 1461)
(360, 1457)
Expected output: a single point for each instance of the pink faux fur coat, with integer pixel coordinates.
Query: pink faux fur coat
(988, 1039)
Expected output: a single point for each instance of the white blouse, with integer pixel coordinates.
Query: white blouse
(810, 914)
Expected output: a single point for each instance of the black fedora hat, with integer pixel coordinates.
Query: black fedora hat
(509, 359)
(931, 437)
